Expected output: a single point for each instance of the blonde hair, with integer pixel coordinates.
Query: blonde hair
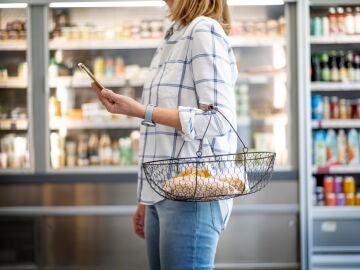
(184, 11)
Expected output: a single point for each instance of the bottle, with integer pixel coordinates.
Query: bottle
(317, 26)
(357, 67)
(340, 18)
(325, 69)
(109, 67)
(357, 20)
(82, 150)
(334, 107)
(53, 69)
(342, 67)
(325, 26)
(331, 147)
(349, 63)
(317, 107)
(342, 144)
(326, 107)
(115, 153)
(320, 148)
(119, 66)
(342, 108)
(333, 21)
(353, 147)
(94, 149)
(334, 70)
(316, 68)
(349, 21)
(105, 150)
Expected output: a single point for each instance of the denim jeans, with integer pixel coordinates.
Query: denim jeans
(182, 235)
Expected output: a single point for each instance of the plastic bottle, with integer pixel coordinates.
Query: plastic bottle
(331, 147)
(349, 21)
(340, 18)
(94, 149)
(353, 147)
(320, 148)
(333, 21)
(357, 20)
(105, 150)
(82, 150)
(357, 67)
(325, 26)
(326, 107)
(342, 145)
(315, 68)
(342, 67)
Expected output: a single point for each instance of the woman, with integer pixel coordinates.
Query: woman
(192, 68)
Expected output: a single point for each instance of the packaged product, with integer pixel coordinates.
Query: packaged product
(353, 147)
(331, 147)
(320, 148)
(342, 145)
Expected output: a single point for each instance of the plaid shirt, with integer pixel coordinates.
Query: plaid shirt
(194, 65)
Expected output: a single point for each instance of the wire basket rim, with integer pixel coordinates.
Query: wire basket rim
(159, 161)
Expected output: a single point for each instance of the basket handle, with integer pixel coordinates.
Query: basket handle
(211, 107)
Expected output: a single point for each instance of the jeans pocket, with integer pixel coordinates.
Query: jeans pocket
(216, 216)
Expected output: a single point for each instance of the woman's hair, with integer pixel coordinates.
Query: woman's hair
(184, 11)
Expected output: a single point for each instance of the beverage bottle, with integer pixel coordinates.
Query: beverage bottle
(105, 150)
(340, 18)
(354, 147)
(357, 20)
(349, 63)
(325, 26)
(325, 69)
(342, 145)
(333, 20)
(109, 67)
(115, 153)
(326, 107)
(342, 67)
(334, 70)
(315, 68)
(94, 149)
(82, 150)
(349, 21)
(357, 67)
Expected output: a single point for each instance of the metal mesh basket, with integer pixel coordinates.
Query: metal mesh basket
(207, 178)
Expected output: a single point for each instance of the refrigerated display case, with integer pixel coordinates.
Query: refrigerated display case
(14, 92)
(119, 57)
(331, 184)
(74, 192)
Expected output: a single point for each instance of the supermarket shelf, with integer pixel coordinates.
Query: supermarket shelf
(325, 86)
(337, 169)
(345, 39)
(261, 121)
(13, 125)
(336, 212)
(87, 124)
(102, 174)
(13, 83)
(96, 169)
(256, 41)
(12, 46)
(24, 171)
(84, 82)
(61, 44)
(338, 123)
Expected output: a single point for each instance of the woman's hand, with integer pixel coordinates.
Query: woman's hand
(119, 104)
(138, 220)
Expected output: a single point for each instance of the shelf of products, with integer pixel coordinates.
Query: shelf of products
(336, 191)
(333, 182)
(59, 123)
(335, 86)
(14, 145)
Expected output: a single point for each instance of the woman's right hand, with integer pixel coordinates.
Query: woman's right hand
(139, 221)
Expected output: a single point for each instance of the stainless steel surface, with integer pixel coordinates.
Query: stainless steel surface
(38, 66)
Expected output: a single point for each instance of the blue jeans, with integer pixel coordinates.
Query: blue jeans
(182, 235)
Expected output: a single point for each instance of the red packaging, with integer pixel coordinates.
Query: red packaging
(330, 199)
(328, 184)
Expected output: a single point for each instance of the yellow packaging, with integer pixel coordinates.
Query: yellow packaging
(349, 184)
(350, 199)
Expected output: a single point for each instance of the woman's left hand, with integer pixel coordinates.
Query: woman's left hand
(119, 104)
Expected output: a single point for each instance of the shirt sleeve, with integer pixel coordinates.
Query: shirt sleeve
(214, 74)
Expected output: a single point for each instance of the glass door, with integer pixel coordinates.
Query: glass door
(14, 117)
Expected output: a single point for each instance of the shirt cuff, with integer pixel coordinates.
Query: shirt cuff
(186, 115)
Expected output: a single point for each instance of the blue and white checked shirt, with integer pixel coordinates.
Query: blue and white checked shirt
(194, 66)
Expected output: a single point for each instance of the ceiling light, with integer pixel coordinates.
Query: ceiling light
(255, 2)
(13, 5)
(133, 3)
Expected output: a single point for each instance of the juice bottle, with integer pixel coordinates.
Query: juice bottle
(331, 147)
(341, 145)
(353, 147)
(320, 148)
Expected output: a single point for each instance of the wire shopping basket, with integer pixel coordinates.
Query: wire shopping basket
(207, 178)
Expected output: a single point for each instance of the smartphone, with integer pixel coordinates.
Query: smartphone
(90, 75)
